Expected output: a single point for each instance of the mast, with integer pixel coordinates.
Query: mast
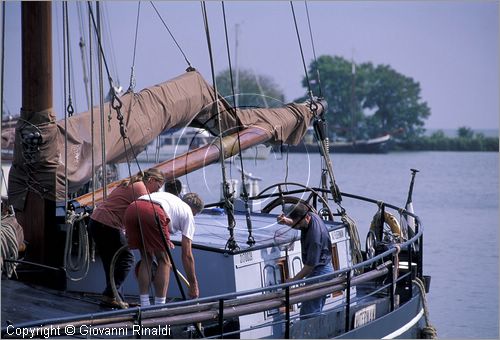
(37, 110)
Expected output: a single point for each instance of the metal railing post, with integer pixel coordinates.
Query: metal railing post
(410, 268)
(392, 273)
(348, 302)
(221, 318)
(420, 253)
(287, 312)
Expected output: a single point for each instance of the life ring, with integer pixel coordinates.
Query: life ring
(391, 221)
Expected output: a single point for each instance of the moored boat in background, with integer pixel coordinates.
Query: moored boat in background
(372, 145)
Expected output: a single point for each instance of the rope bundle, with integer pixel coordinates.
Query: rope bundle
(357, 256)
(75, 223)
(12, 240)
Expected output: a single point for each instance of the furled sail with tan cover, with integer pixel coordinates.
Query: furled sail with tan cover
(187, 100)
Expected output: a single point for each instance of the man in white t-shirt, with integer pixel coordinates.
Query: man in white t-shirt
(174, 214)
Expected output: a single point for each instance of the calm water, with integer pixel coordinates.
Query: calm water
(456, 196)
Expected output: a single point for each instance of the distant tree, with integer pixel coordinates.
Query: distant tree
(395, 100)
(342, 89)
(371, 100)
(465, 132)
(254, 90)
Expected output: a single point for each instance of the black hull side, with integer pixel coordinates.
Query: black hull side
(405, 322)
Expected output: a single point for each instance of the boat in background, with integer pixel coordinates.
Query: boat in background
(372, 145)
(172, 143)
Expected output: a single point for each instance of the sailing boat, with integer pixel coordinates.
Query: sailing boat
(370, 293)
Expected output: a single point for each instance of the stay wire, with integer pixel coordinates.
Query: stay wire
(228, 204)
(132, 84)
(100, 54)
(251, 240)
(99, 42)
(173, 38)
(333, 185)
(107, 33)
(318, 78)
(302, 53)
(116, 103)
(65, 32)
(67, 51)
(91, 101)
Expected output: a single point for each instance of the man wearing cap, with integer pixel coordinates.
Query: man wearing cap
(316, 249)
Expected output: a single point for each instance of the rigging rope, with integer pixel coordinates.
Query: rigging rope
(115, 101)
(228, 196)
(91, 100)
(99, 41)
(318, 79)
(319, 124)
(173, 38)
(244, 194)
(72, 219)
(66, 49)
(132, 84)
(81, 44)
(302, 54)
(100, 59)
(67, 52)
(107, 33)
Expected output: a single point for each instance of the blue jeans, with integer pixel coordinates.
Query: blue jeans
(310, 307)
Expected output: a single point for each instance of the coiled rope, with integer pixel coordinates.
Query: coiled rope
(357, 256)
(82, 261)
(10, 246)
(429, 331)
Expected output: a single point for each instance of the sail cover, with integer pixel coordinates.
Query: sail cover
(187, 100)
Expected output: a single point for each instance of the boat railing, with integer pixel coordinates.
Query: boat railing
(282, 296)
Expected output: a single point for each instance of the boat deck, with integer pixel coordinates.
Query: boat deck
(23, 302)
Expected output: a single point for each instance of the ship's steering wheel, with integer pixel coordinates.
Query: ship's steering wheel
(282, 199)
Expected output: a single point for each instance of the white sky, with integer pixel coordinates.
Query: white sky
(450, 47)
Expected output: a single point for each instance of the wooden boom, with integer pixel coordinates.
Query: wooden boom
(194, 159)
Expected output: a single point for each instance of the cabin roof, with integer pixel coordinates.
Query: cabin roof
(212, 233)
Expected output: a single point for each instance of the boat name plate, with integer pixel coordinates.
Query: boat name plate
(246, 257)
(365, 315)
(338, 234)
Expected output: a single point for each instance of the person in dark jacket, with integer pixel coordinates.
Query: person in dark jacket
(316, 249)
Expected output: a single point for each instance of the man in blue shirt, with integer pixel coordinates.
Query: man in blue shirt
(316, 249)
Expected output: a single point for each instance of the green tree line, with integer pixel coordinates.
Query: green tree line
(364, 101)
(466, 140)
